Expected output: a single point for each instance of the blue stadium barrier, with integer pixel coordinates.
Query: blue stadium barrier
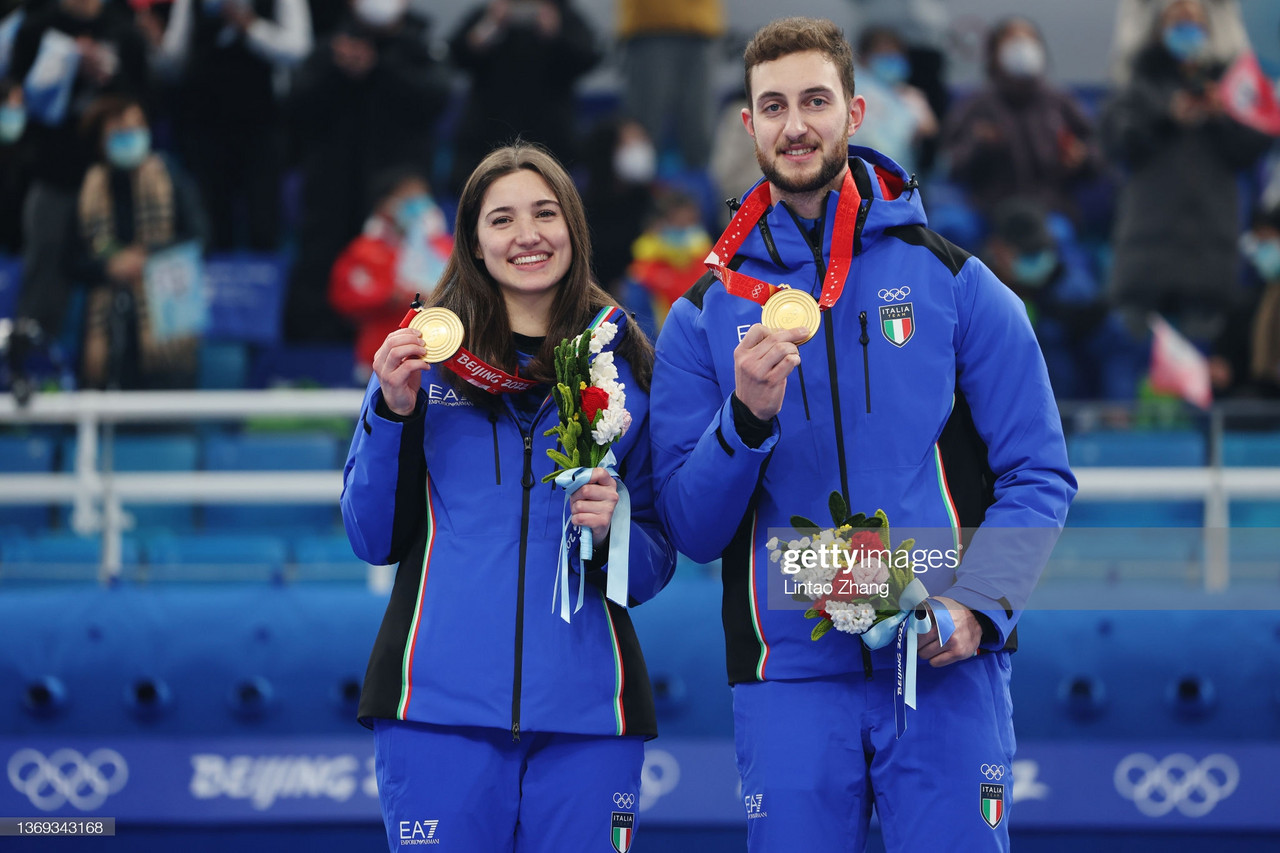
(1115, 553)
(301, 451)
(1251, 449)
(155, 452)
(231, 707)
(680, 633)
(326, 557)
(1130, 514)
(224, 365)
(1157, 448)
(57, 556)
(198, 557)
(26, 455)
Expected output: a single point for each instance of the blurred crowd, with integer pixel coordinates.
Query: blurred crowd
(138, 137)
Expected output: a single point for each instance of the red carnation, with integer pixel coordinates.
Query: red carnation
(862, 543)
(594, 400)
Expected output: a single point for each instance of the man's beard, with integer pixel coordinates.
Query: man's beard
(832, 165)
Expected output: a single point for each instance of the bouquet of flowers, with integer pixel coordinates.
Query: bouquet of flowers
(591, 400)
(593, 415)
(852, 574)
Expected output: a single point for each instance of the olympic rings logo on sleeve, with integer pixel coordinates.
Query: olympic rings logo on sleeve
(895, 294)
(66, 776)
(624, 801)
(1158, 787)
(993, 771)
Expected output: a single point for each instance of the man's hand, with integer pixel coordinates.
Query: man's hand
(963, 643)
(592, 505)
(398, 364)
(761, 364)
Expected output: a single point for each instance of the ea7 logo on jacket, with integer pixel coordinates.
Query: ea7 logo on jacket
(898, 322)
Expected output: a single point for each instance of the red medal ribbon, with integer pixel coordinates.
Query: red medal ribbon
(476, 371)
(485, 376)
(753, 207)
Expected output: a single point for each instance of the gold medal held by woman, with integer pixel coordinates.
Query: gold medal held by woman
(441, 332)
(791, 309)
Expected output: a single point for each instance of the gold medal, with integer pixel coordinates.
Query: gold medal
(791, 309)
(441, 333)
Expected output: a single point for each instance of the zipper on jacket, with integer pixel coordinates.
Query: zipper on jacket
(526, 482)
(497, 462)
(835, 410)
(804, 395)
(867, 669)
(864, 339)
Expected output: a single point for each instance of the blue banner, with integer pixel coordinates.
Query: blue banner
(1132, 786)
(246, 293)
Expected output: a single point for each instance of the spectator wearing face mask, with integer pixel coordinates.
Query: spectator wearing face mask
(621, 167)
(899, 120)
(1178, 213)
(1020, 135)
(523, 59)
(667, 259)
(225, 55)
(132, 203)
(400, 254)
(369, 96)
(1089, 353)
(1228, 37)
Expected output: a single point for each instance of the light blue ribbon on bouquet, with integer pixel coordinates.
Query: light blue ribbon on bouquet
(900, 629)
(616, 583)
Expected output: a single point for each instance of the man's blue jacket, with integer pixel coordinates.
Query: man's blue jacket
(923, 393)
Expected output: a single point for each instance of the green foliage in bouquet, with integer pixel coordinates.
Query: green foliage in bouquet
(573, 432)
(847, 528)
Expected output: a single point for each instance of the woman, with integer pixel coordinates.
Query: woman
(497, 723)
(132, 204)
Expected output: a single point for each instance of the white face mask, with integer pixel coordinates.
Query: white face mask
(636, 162)
(1022, 57)
(380, 13)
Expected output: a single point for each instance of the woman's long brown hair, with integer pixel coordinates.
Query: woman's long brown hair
(467, 289)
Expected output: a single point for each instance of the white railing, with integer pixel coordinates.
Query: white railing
(97, 496)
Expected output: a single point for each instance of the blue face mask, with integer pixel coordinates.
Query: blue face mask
(13, 120)
(412, 211)
(126, 149)
(889, 68)
(1034, 270)
(682, 238)
(1265, 257)
(1185, 40)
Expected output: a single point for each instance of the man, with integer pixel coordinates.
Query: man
(922, 393)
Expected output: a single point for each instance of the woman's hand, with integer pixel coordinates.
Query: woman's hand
(592, 505)
(398, 364)
(126, 265)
